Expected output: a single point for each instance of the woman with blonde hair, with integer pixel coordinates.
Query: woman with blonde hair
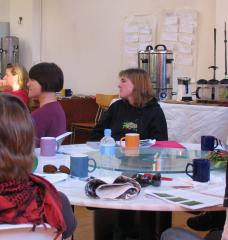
(15, 81)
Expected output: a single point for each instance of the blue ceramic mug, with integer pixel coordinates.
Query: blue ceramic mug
(208, 143)
(68, 93)
(200, 170)
(79, 165)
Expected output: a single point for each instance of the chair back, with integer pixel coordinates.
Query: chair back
(103, 102)
(24, 231)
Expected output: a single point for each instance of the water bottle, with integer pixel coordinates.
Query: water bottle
(107, 150)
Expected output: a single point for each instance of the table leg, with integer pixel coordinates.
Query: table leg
(72, 206)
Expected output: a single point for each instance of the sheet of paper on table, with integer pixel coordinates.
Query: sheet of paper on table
(218, 191)
(53, 177)
(185, 198)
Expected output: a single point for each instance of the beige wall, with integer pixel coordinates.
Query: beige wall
(4, 11)
(86, 37)
(221, 17)
(22, 9)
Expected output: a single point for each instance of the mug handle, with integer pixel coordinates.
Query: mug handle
(186, 170)
(216, 142)
(94, 166)
(197, 92)
(121, 142)
(57, 146)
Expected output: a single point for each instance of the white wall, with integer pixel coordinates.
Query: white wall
(221, 17)
(4, 10)
(22, 8)
(86, 37)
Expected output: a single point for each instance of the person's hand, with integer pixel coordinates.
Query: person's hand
(2, 83)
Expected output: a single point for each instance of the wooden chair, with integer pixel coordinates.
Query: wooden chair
(103, 101)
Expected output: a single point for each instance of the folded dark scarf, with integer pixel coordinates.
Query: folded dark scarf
(33, 200)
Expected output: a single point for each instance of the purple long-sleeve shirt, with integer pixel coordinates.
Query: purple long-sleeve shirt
(49, 121)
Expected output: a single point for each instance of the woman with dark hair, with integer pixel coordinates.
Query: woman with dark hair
(45, 79)
(136, 112)
(15, 81)
(26, 198)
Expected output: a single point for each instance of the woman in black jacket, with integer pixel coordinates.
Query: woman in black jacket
(136, 112)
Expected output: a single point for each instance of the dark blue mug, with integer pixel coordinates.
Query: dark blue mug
(208, 143)
(200, 170)
(79, 165)
(68, 93)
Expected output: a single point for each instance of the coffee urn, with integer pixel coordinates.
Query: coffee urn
(9, 51)
(158, 62)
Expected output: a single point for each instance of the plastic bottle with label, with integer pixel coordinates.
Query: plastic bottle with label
(107, 150)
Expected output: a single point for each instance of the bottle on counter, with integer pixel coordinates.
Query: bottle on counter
(107, 150)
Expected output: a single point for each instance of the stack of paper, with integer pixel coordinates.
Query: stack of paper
(185, 198)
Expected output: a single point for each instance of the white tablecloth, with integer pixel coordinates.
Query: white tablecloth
(187, 123)
(75, 188)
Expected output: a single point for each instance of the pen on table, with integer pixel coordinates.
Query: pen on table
(64, 153)
(166, 179)
(162, 178)
(182, 187)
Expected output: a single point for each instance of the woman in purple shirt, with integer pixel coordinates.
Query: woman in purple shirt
(45, 79)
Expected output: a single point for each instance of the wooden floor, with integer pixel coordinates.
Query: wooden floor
(84, 230)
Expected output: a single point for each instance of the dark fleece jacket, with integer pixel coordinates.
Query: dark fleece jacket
(149, 121)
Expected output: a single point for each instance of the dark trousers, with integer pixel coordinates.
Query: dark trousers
(127, 224)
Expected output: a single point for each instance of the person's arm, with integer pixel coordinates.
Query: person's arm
(98, 131)
(225, 230)
(68, 216)
(158, 127)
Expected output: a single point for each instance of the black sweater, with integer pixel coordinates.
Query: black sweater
(149, 121)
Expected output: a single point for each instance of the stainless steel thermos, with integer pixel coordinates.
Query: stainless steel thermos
(158, 62)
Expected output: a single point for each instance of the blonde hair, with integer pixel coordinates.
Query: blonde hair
(20, 71)
(143, 91)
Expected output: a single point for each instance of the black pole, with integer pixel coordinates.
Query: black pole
(214, 51)
(214, 67)
(225, 41)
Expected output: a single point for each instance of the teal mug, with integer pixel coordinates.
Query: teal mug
(35, 163)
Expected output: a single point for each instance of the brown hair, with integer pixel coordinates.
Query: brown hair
(142, 92)
(16, 138)
(20, 71)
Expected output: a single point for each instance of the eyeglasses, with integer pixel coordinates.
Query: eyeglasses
(49, 168)
(148, 179)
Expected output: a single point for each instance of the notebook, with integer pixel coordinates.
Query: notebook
(61, 138)
(167, 144)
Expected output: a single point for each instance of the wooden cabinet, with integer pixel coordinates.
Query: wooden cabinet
(79, 110)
